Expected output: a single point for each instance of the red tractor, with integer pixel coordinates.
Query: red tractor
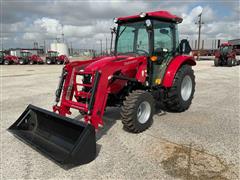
(7, 59)
(35, 59)
(24, 57)
(148, 67)
(54, 58)
(27, 57)
(226, 56)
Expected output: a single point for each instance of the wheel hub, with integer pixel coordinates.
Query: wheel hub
(186, 88)
(143, 112)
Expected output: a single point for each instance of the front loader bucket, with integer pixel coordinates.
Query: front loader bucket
(66, 141)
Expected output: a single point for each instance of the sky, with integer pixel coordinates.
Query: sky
(85, 23)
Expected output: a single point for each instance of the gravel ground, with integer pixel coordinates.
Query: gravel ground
(201, 143)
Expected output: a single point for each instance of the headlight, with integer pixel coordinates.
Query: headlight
(142, 14)
(115, 20)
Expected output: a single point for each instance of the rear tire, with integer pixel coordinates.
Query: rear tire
(6, 62)
(216, 62)
(137, 111)
(48, 61)
(180, 95)
(234, 62)
(229, 62)
(31, 62)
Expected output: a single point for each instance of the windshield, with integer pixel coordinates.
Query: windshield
(225, 49)
(25, 54)
(132, 38)
(53, 54)
(1, 54)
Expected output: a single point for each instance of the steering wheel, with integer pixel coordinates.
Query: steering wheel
(141, 50)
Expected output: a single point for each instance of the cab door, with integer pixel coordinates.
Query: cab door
(164, 46)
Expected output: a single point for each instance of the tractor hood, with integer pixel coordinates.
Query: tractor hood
(103, 61)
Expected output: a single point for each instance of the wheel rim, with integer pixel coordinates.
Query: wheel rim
(143, 112)
(186, 88)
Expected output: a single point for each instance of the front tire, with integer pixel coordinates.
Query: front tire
(180, 95)
(216, 62)
(31, 62)
(21, 62)
(137, 111)
(59, 62)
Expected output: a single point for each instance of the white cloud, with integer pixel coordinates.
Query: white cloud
(86, 22)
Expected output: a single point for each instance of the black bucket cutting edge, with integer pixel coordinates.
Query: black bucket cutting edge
(66, 141)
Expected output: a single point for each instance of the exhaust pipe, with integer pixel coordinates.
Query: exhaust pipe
(66, 141)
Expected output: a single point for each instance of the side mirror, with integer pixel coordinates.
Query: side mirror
(184, 47)
(113, 30)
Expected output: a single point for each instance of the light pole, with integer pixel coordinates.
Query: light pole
(199, 23)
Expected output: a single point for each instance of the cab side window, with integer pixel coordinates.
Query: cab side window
(163, 36)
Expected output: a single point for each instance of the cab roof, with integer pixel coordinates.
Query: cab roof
(226, 44)
(160, 15)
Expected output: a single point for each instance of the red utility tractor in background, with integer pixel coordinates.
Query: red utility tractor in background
(24, 57)
(2, 55)
(35, 59)
(54, 58)
(226, 56)
(27, 57)
(148, 67)
(7, 59)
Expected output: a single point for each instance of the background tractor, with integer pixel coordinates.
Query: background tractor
(7, 59)
(225, 56)
(24, 57)
(35, 59)
(148, 67)
(54, 58)
(2, 54)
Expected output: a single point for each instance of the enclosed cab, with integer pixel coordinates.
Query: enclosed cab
(53, 57)
(24, 57)
(225, 56)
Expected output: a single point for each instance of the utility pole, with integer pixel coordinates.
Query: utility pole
(106, 47)
(199, 23)
(71, 49)
(101, 45)
(62, 34)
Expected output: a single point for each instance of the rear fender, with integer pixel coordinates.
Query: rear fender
(173, 67)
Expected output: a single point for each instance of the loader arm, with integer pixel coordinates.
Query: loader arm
(101, 86)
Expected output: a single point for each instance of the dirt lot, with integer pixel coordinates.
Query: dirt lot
(201, 143)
